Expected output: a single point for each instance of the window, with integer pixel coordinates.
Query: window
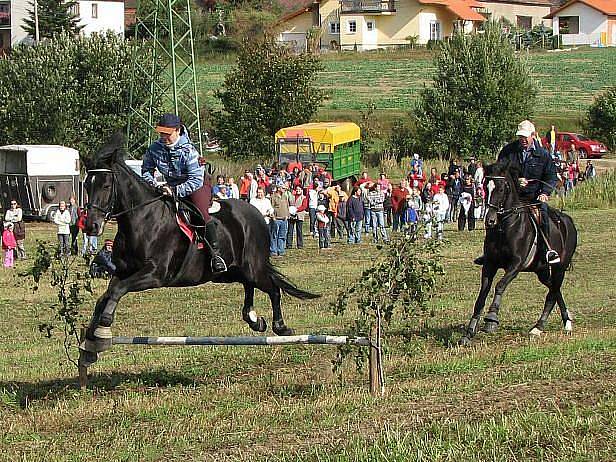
(95, 10)
(370, 26)
(352, 27)
(5, 14)
(435, 30)
(334, 27)
(569, 24)
(74, 10)
(524, 22)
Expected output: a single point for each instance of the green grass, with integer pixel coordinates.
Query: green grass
(567, 82)
(505, 398)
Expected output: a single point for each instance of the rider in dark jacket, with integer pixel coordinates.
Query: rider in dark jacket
(537, 176)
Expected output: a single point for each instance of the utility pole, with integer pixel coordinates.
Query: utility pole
(166, 59)
(36, 22)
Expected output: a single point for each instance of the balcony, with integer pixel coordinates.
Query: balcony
(367, 6)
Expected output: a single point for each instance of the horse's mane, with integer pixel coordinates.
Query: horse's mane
(114, 153)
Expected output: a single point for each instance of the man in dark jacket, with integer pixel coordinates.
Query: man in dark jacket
(102, 266)
(355, 215)
(537, 177)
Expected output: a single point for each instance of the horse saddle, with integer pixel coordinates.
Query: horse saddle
(191, 222)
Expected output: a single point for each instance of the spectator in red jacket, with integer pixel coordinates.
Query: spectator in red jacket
(398, 198)
(364, 179)
(417, 178)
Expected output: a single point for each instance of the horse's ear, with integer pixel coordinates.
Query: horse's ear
(118, 141)
(111, 152)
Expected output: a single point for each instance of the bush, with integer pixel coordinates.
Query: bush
(481, 90)
(70, 90)
(270, 88)
(601, 118)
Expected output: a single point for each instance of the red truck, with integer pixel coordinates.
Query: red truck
(585, 146)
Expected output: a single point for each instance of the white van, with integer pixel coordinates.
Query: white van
(38, 177)
(135, 166)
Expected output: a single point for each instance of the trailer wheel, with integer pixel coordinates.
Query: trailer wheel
(49, 192)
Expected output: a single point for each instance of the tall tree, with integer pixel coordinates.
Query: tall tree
(270, 88)
(54, 17)
(72, 91)
(601, 118)
(481, 90)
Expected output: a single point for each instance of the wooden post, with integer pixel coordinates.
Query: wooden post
(375, 376)
(83, 370)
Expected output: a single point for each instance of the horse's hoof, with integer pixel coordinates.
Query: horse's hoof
(568, 326)
(489, 327)
(260, 325)
(87, 358)
(464, 341)
(535, 332)
(282, 329)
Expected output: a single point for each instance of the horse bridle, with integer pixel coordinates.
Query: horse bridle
(108, 211)
(500, 210)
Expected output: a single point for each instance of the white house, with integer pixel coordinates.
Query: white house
(12, 13)
(100, 16)
(586, 22)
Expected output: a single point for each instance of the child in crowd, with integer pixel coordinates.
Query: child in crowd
(410, 216)
(323, 227)
(9, 244)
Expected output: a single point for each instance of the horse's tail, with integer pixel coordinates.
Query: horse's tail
(286, 286)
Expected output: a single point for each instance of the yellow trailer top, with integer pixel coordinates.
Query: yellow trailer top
(323, 133)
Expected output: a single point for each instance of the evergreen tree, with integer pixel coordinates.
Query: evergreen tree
(54, 17)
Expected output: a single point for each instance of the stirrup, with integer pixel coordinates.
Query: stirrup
(218, 259)
(552, 257)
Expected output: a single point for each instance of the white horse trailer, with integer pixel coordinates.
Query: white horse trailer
(38, 177)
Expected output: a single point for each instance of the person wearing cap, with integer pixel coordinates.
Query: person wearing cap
(174, 156)
(102, 265)
(537, 177)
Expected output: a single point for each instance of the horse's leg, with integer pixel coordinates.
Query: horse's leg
(98, 335)
(487, 276)
(564, 313)
(550, 301)
(256, 323)
(278, 325)
(490, 322)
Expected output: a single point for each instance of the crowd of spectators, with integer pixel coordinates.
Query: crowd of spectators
(304, 200)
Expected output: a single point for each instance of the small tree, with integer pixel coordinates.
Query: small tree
(70, 90)
(270, 88)
(54, 17)
(601, 118)
(481, 90)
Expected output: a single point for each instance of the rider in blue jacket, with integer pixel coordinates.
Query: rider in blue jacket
(177, 160)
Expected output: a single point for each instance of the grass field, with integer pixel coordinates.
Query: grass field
(507, 398)
(567, 82)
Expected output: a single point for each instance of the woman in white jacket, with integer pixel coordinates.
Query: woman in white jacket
(62, 218)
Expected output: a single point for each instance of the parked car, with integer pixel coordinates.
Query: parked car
(586, 147)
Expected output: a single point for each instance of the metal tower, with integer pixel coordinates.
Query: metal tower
(167, 61)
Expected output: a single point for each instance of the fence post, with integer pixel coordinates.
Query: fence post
(83, 370)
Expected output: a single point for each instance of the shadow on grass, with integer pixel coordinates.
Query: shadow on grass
(21, 394)
(447, 336)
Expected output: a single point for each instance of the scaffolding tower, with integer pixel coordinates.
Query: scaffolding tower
(166, 59)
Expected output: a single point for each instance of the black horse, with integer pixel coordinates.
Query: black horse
(151, 251)
(513, 243)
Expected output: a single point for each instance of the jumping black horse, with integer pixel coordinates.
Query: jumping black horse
(513, 243)
(151, 251)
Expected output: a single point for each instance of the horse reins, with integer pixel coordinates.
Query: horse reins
(108, 212)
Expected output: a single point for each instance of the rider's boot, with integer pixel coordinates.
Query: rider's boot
(551, 256)
(218, 263)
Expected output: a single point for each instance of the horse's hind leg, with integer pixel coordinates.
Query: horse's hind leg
(278, 325)
(256, 323)
(564, 313)
(487, 276)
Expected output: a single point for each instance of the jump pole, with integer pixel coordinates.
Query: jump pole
(376, 385)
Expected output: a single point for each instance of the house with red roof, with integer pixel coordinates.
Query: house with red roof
(586, 22)
(372, 24)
